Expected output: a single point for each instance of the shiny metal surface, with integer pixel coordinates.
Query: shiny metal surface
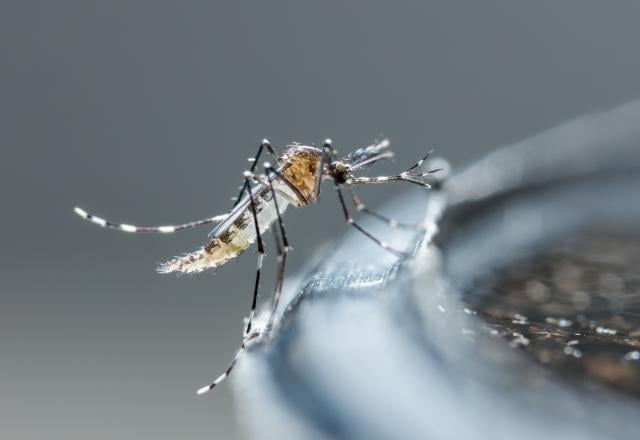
(374, 348)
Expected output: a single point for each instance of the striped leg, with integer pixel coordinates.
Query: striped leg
(254, 162)
(147, 229)
(260, 244)
(224, 375)
(282, 262)
(349, 219)
(328, 147)
(389, 221)
(247, 335)
(282, 250)
(411, 175)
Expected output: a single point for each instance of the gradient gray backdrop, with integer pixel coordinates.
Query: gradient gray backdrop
(145, 111)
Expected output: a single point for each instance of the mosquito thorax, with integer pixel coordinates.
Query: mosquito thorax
(304, 170)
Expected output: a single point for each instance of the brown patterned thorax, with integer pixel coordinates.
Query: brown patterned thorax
(304, 170)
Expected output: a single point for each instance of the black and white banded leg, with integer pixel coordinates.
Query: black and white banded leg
(351, 221)
(247, 335)
(411, 175)
(282, 250)
(361, 207)
(248, 176)
(147, 229)
(264, 145)
(331, 151)
(226, 373)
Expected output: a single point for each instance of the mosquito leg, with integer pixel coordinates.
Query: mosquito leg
(282, 250)
(402, 177)
(265, 144)
(389, 221)
(410, 176)
(282, 259)
(280, 233)
(147, 229)
(226, 373)
(247, 335)
(349, 219)
(282, 262)
(419, 163)
(330, 150)
(269, 169)
(260, 244)
(291, 186)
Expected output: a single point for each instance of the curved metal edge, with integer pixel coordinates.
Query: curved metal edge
(383, 350)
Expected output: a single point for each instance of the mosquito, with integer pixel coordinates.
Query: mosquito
(294, 178)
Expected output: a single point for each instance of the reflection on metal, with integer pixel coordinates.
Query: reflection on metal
(574, 307)
(369, 347)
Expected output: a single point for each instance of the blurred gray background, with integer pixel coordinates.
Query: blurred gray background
(146, 111)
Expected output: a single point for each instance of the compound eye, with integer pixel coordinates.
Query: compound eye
(341, 173)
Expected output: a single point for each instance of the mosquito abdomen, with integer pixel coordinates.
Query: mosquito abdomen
(229, 242)
(213, 255)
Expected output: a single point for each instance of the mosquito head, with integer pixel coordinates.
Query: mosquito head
(339, 171)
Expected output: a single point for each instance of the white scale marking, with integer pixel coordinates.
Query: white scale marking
(204, 390)
(99, 221)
